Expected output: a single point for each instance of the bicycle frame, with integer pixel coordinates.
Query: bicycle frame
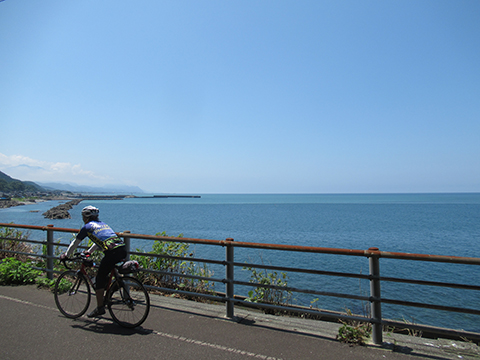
(113, 274)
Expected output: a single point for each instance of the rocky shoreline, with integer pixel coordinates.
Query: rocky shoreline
(9, 203)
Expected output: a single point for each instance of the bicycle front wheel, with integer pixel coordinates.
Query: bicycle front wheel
(128, 302)
(72, 294)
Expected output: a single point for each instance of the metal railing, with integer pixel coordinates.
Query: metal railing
(230, 299)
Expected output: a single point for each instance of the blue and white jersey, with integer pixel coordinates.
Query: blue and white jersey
(101, 234)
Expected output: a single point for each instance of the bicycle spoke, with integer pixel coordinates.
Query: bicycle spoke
(72, 294)
(129, 304)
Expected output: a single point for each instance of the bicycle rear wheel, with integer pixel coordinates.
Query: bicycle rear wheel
(128, 303)
(72, 294)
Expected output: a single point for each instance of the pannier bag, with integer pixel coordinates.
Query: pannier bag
(88, 262)
(129, 267)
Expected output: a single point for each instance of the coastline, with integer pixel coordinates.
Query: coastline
(57, 212)
(4, 204)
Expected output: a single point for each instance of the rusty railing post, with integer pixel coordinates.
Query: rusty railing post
(375, 296)
(229, 277)
(49, 254)
(126, 239)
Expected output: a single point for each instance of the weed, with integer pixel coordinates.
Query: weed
(314, 303)
(354, 332)
(411, 332)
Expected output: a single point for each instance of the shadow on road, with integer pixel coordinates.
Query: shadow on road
(106, 326)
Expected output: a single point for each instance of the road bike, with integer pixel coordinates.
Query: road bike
(125, 297)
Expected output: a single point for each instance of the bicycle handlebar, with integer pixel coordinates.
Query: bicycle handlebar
(77, 256)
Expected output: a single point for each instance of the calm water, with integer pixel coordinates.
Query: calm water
(442, 224)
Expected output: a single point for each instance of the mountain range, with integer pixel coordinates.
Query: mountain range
(9, 184)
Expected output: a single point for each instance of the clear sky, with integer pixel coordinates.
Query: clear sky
(242, 96)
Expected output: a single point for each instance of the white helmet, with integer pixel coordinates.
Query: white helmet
(90, 211)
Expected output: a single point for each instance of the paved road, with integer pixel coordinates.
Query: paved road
(32, 328)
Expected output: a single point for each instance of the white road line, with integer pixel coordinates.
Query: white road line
(27, 303)
(169, 336)
(215, 346)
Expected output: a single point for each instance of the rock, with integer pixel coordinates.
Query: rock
(8, 203)
(61, 211)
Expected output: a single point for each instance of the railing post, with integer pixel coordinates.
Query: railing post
(126, 239)
(49, 253)
(375, 295)
(229, 275)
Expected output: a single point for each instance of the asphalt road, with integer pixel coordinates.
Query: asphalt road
(31, 327)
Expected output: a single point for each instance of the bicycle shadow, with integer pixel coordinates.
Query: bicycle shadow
(108, 326)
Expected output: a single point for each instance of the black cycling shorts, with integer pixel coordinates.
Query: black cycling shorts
(107, 264)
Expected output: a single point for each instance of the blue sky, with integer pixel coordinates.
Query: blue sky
(242, 96)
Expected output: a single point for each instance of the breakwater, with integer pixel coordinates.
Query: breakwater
(121, 197)
(178, 196)
(61, 211)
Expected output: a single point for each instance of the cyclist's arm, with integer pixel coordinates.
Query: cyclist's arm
(93, 248)
(73, 246)
(78, 239)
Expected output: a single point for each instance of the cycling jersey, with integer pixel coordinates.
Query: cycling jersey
(100, 233)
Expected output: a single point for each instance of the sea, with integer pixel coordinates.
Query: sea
(438, 224)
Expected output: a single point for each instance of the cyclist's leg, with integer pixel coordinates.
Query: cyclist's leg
(100, 282)
(107, 264)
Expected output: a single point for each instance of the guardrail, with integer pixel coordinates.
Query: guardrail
(230, 299)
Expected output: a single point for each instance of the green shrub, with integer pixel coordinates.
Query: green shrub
(15, 272)
(266, 294)
(44, 282)
(172, 267)
(12, 240)
(64, 285)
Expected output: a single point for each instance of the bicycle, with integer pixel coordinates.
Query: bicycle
(125, 297)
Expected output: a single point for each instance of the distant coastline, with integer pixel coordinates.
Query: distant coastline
(7, 203)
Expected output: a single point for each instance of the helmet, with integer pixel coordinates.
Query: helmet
(90, 211)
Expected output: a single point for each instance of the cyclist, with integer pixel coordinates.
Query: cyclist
(104, 238)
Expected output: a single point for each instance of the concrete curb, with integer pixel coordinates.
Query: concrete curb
(412, 345)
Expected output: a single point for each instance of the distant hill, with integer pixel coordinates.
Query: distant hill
(9, 184)
(107, 189)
